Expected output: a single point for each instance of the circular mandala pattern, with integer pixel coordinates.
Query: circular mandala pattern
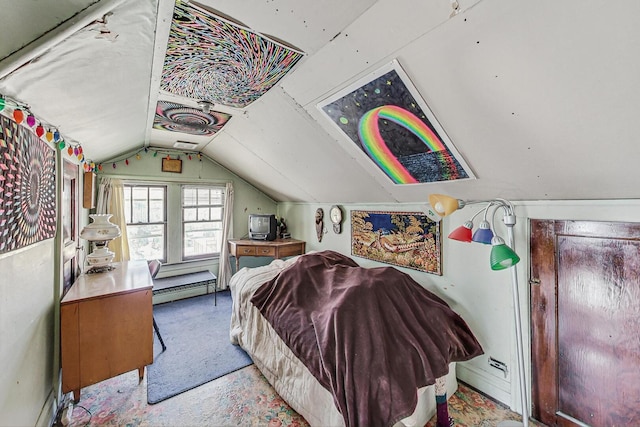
(27, 172)
(181, 118)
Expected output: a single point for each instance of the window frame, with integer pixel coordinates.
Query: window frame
(148, 185)
(210, 206)
(173, 217)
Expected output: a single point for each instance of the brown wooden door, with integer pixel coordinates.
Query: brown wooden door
(585, 306)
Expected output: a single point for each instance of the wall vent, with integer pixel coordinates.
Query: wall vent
(183, 145)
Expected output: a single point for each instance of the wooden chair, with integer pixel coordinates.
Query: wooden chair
(154, 268)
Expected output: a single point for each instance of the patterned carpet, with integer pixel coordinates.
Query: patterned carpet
(242, 398)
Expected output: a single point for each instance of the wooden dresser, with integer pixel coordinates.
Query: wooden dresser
(278, 248)
(106, 326)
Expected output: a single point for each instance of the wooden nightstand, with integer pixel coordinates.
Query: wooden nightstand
(278, 248)
(106, 326)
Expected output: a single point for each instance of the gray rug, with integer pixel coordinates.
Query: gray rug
(196, 334)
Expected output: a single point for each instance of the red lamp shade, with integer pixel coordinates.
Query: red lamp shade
(462, 233)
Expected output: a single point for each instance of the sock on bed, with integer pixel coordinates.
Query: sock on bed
(442, 409)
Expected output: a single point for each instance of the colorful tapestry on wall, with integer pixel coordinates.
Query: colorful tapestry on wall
(27, 187)
(384, 115)
(405, 239)
(210, 58)
(182, 118)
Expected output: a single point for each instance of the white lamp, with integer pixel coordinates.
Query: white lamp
(502, 257)
(100, 232)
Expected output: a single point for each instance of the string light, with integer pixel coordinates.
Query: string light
(18, 115)
(21, 112)
(165, 154)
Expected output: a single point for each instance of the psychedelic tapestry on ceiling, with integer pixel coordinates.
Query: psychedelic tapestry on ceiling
(210, 58)
(384, 115)
(27, 187)
(174, 117)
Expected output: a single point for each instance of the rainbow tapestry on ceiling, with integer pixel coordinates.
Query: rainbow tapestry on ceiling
(182, 118)
(210, 58)
(385, 117)
(27, 187)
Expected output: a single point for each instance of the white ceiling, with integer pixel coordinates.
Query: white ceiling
(539, 98)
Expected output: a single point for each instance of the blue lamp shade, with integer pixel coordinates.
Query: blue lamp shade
(502, 256)
(483, 234)
(462, 233)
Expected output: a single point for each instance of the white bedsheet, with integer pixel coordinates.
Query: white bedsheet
(284, 371)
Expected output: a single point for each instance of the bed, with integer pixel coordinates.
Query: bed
(309, 322)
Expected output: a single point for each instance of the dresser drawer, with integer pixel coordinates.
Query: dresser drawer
(265, 251)
(246, 250)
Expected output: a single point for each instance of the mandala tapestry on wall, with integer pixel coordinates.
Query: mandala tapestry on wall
(27, 187)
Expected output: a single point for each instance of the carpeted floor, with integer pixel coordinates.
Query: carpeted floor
(196, 333)
(241, 398)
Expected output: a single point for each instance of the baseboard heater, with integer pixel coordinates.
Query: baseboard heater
(185, 281)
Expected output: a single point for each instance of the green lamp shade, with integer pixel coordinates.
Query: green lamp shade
(502, 256)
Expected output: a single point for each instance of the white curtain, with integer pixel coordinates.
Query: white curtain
(224, 269)
(111, 201)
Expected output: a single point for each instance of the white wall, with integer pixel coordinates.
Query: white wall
(27, 332)
(481, 296)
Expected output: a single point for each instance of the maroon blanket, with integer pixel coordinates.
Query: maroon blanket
(371, 336)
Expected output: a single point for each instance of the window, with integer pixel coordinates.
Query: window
(202, 213)
(174, 222)
(145, 214)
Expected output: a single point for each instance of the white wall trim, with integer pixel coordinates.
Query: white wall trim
(491, 385)
(48, 412)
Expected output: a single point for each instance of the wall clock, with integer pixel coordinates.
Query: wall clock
(335, 213)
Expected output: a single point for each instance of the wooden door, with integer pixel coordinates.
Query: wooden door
(585, 306)
(69, 225)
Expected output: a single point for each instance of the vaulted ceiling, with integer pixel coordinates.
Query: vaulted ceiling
(537, 100)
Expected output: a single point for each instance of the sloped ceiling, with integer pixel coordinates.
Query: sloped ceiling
(539, 98)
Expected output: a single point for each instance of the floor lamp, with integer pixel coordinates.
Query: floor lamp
(502, 257)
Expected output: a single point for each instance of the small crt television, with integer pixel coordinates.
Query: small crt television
(262, 227)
